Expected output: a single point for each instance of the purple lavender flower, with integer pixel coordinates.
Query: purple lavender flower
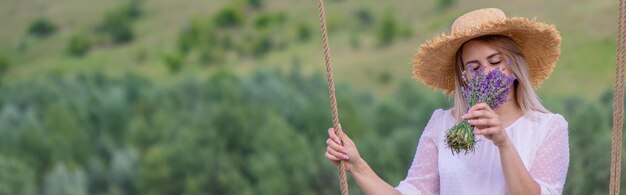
(491, 88)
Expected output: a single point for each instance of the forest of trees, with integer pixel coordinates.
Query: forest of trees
(261, 133)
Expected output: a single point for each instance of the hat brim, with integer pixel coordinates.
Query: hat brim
(540, 44)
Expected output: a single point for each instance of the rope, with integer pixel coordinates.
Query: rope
(343, 182)
(618, 105)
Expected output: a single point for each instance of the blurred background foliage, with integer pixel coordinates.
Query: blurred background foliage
(230, 97)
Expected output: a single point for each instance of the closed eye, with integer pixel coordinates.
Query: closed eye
(472, 66)
(495, 63)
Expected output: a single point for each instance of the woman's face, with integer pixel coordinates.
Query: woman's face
(478, 53)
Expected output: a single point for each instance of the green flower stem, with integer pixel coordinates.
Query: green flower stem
(460, 138)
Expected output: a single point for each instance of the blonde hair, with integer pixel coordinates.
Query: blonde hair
(523, 91)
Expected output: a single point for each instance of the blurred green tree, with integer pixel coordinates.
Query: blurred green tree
(42, 27)
(16, 177)
(388, 28)
(78, 45)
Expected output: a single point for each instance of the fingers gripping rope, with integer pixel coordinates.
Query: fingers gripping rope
(343, 182)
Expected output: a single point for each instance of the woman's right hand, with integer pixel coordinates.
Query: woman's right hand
(336, 152)
(364, 176)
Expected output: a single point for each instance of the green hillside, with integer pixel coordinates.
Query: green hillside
(586, 64)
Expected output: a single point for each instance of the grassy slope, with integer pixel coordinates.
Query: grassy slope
(588, 28)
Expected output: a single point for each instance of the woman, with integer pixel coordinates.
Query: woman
(524, 147)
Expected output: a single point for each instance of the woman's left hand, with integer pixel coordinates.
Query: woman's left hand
(487, 123)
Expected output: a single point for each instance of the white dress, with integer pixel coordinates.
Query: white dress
(541, 139)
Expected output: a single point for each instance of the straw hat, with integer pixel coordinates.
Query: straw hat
(540, 43)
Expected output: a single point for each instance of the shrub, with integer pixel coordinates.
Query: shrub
(229, 17)
(5, 62)
(123, 34)
(263, 21)
(192, 34)
(262, 45)
(78, 45)
(185, 41)
(173, 61)
(443, 4)
(42, 27)
(255, 3)
(388, 28)
(364, 17)
(133, 8)
(118, 24)
(304, 31)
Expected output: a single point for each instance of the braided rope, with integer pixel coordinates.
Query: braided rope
(618, 105)
(343, 182)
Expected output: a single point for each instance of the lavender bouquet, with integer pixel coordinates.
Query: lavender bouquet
(492, 89)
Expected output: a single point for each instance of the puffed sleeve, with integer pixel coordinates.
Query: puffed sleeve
(552, 158)
(423, 175)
